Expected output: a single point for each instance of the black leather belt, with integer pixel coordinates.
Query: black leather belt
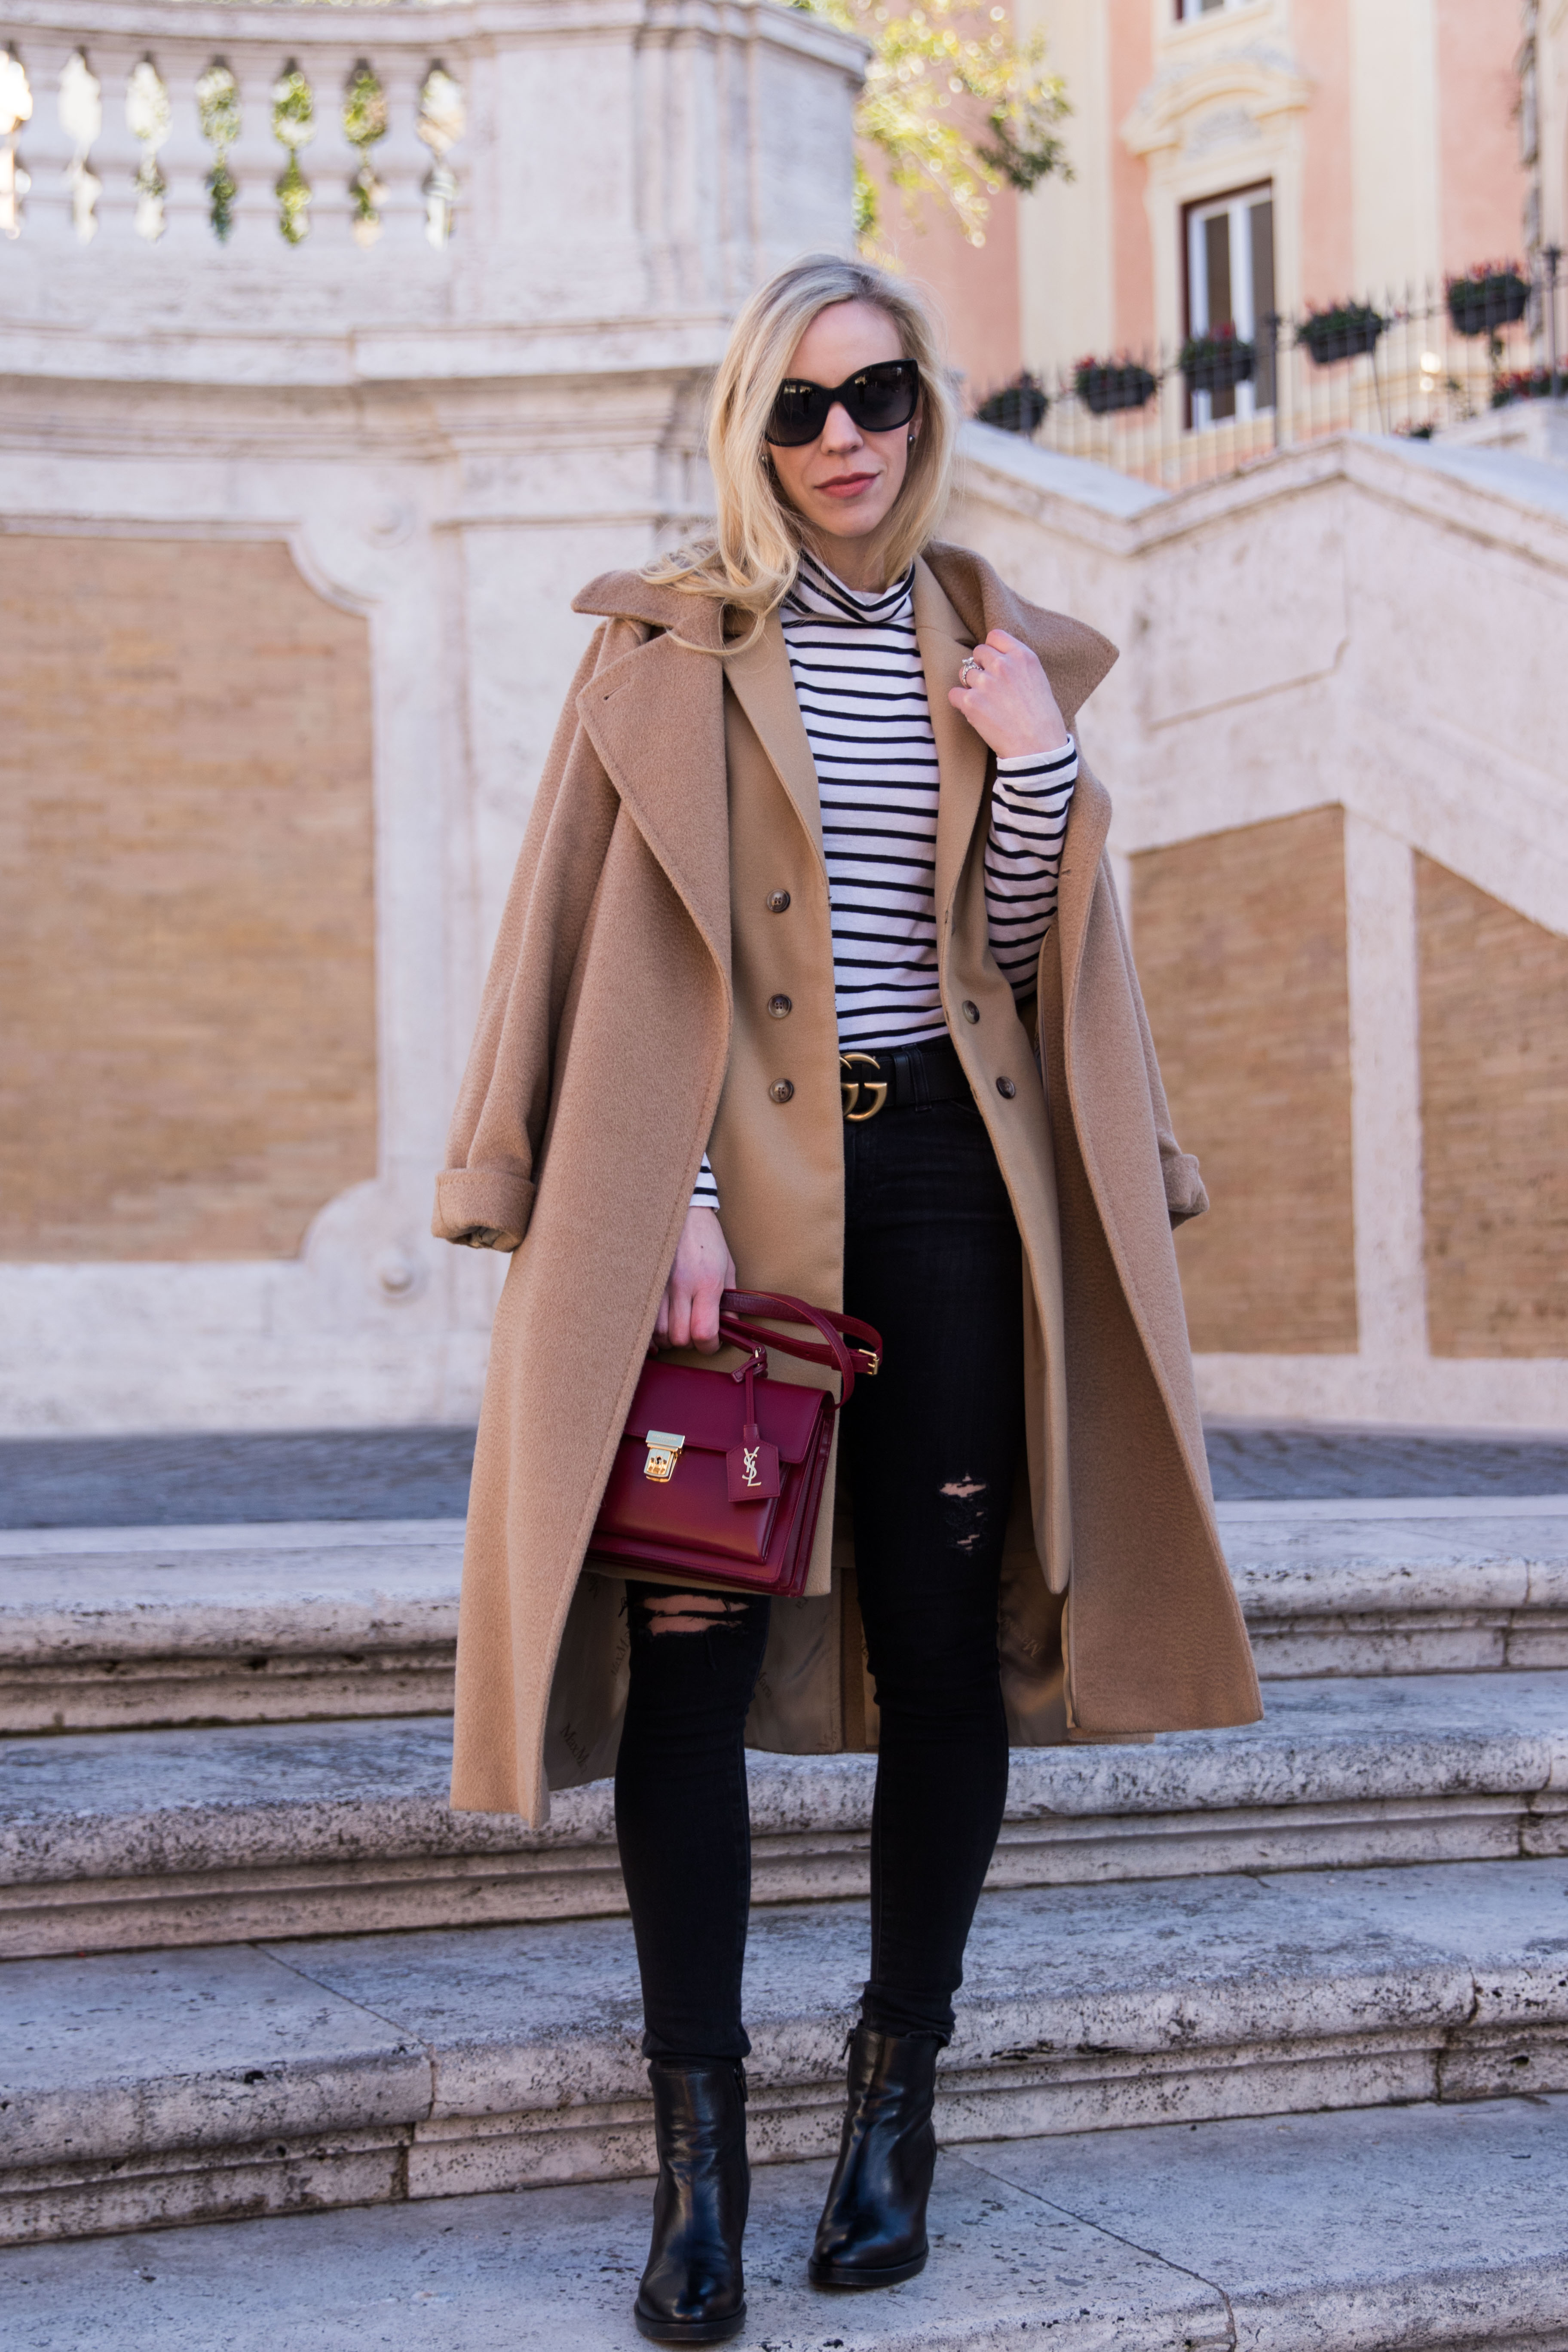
(901, 1077)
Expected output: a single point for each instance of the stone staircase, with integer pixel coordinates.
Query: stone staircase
(253, 1968)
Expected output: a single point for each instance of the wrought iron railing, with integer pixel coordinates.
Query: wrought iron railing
(1410, 363)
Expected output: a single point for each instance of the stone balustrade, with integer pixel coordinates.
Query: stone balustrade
(213, 172)
(192, 138)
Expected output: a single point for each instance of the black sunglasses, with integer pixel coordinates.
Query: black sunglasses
(878, 398)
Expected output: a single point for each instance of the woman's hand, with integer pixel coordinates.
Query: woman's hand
(688, 1311)
(1007, 699)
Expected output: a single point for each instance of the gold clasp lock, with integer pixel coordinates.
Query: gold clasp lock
(663, 1454)
(853, 1087)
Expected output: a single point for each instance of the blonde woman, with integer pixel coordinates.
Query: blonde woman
(813, 977)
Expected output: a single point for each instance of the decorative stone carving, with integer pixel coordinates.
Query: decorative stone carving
(1215, 99)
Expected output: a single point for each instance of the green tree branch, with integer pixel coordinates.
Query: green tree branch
(954, 104)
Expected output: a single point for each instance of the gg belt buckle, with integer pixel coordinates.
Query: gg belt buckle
(663, 1454)
(852, 1087)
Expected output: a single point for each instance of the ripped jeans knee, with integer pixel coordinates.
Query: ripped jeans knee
(968, 1512)
(656, 1610)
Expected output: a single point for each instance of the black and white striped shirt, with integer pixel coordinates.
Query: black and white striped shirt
(862, 693)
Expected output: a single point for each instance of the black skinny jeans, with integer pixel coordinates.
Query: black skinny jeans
(933, 1261)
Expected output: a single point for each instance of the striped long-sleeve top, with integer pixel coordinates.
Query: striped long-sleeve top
(861, 688)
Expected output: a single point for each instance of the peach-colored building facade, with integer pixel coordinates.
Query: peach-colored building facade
(1382, 140)
(1543, 120)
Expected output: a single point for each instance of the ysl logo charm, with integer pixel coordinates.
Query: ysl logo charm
(752, 1468)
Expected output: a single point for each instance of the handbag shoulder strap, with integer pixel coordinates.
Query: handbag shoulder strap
(847, 1343)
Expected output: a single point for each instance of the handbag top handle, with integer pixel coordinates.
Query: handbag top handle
(847, 1344)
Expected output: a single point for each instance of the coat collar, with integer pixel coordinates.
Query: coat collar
(627, 596)
(1076, 658)
(679, 799)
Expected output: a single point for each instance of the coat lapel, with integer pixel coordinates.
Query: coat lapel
(764, 688)
(961, 757)
(655, 717)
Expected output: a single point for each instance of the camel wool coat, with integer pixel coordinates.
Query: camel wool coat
(623, 1029)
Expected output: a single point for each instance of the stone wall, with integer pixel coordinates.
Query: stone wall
(187, 912)
(1241, 949)
(1494, 1101)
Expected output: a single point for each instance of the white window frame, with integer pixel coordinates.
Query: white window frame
(1243, 311)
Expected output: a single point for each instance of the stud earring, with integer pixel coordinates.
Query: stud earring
(911, 437)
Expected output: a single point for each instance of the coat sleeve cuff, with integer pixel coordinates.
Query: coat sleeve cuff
(1185, 1194)
(489, 1208)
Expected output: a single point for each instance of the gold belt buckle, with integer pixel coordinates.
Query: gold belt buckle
(853, 1087)
(663, 1454)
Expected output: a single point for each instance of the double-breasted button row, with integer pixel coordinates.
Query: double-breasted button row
(780, 1006)
(971, 1011)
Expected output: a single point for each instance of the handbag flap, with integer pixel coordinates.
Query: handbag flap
(709, 1408)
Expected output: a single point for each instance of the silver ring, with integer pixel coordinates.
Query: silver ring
(965, 667)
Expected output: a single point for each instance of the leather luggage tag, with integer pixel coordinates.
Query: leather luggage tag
(754, 1468)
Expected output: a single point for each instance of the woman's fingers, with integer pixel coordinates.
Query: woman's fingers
(704, 1310)
(703, 1270)
(1007, 697)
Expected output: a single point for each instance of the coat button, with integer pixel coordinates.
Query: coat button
(1007, 1089)
(782, 1090)
(970, 1009)
(776, 901)
(779, 1006)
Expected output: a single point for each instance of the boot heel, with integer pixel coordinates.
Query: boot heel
(693, 2290)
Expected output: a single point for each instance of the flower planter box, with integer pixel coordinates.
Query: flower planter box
(1106, 387)
(1530, 383)
(1480, 305)
(1019, 407)
(1216, 362)
(1344, 335)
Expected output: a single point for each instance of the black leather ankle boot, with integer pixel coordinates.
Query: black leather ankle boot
(873, 2227)
(693, 2291)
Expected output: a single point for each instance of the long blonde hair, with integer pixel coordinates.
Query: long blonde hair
(751, 559)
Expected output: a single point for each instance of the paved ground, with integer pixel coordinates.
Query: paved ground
(418, 1473)
(1296, 1464)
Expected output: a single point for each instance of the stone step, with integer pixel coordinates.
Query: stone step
(1465, 1584)
(154, 2088)
(125, 1840)
(109, 1628)
(1404, 2230)
(114, 1628)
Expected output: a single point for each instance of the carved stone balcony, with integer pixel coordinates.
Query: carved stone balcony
(303, 193)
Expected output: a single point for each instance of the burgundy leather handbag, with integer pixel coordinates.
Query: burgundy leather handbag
(719, 1476)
